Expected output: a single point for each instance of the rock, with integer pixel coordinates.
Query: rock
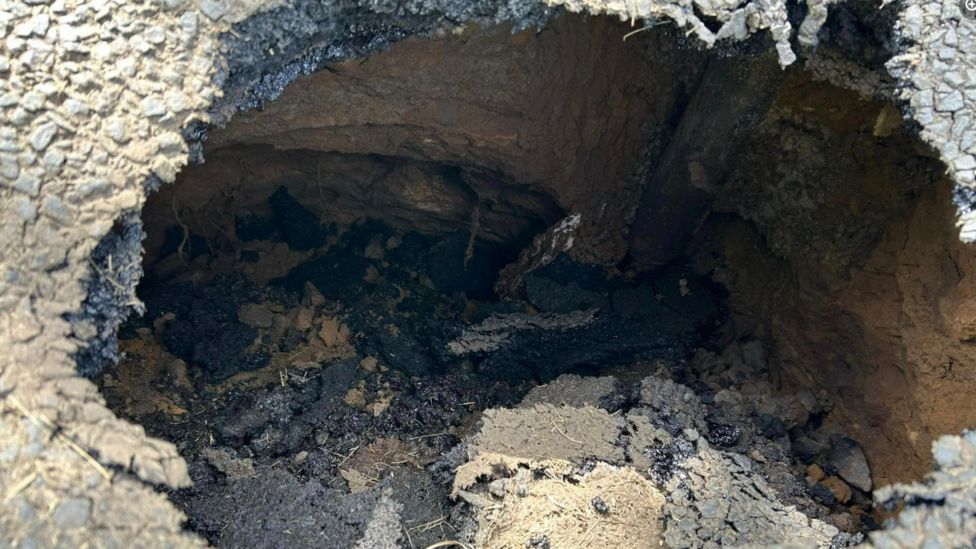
(770, 426)
(152, 106)
(807, 448)
(844, 522)
(255, 316)
(848, 458)
(839, 488)
(213, 9)
(368, 364)
(226, 461)
(333, 332)
(815, 472)
(821, 493)
(313, 297)
(600, 506)
(43, 135)
(72, 513)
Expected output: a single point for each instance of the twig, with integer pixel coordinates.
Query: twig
(20, 486)
(186, 232)
(441, 434)
(644, 28)
(107, 277)
(409, 539)
(60, 435)
(449, 543)
(561, 432)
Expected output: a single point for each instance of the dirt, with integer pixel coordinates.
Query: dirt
(371, 372)
(606, 507)
(337, 378)
(860, 294)
(827, 174)
(522, 154)
(88, 140)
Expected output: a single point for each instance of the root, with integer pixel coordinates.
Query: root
(186, 233)
(475, 229)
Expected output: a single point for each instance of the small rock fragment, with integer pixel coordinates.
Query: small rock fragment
(848, 458)
(43, 135)
(815, 472)
(72, 513)
(255, 316)
(839, 488)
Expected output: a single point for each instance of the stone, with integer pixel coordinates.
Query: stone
(950, 102)
(839, 488)
(75, 108)
(25, 209)
(152, 106)
(255, 316)
(32, 101)
(155, 35)
(72, 513)
(42, 136)
(821, 493)
(815, 472)
(368, 364)
(54, 208)
(53, 159)
(848, 458)
(27, 183)
(214, 9)
(115, 129)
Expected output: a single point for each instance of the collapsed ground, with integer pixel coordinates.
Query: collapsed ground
(363, 374)
(402, 200)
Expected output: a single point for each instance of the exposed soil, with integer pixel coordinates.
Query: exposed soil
(311, 382)
(434, 136)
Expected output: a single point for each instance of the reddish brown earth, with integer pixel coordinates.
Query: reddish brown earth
(866, 292)
(567, 111)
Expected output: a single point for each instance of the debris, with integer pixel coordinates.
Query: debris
(840, 489)
(848, 458)
(255, 316)
(226, 461)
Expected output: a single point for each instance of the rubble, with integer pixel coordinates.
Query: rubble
(96, 101)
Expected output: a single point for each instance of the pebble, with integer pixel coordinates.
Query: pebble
(153, 106)
(76, 108)
(839, 488)
(368, 364)
(72, 513)
(28, 183)
(950, 102)
(25, 209)
(844, 522)
(155, 35)
(815, 472)
(53, 159)
(32, 100)
(43, 135)
(255, 316)
(54, 208)
(115, 129)
(214, 9)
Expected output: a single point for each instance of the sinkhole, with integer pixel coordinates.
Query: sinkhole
(371, 277)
